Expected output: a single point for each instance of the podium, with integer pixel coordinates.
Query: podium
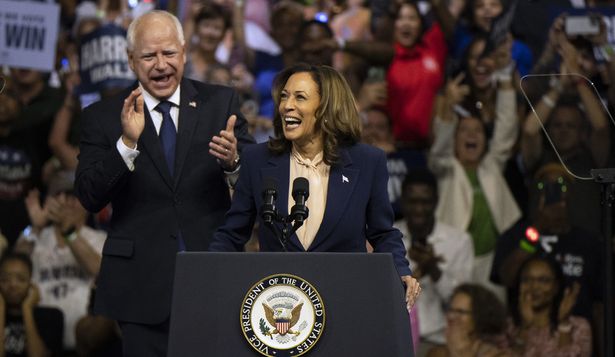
(364, 306)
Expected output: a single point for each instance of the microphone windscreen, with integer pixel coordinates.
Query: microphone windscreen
(269, 186)
(301, 186)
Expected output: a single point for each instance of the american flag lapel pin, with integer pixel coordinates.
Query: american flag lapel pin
(344, 179)
(192, 104)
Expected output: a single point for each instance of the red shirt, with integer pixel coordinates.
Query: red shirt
(413, 80)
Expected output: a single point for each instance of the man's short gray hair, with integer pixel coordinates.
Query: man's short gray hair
(130, 36)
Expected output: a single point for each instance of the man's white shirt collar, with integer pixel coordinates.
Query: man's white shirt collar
(152, 102)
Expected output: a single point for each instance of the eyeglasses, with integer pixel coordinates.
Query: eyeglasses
(544, 280)
(455, 311)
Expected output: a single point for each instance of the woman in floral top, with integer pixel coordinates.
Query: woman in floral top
(542, 324)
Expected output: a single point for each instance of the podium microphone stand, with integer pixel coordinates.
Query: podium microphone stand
(606, 178)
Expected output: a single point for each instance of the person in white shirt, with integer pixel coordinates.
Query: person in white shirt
(65, 252)
(441, 256)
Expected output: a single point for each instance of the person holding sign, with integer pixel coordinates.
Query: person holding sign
(159, 152)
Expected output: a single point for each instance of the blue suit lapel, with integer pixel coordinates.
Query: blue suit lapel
(342, 182)
(190, 107)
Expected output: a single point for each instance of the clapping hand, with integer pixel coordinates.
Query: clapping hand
(37, 213)
(568, 301)
(425, 258)
(56, 207)
(133, 118)
(32, 298)
(66, 211)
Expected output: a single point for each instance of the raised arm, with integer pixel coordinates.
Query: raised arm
(35, 346)
(506, 124)
(102, 170)
(599, 141)
(531, 137)
(239, 220)
(444, 123)
(58, 137)
(445, 18)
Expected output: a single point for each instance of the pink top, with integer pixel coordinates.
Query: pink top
(541, 342)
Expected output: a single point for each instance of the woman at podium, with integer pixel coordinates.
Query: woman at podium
(313, 187)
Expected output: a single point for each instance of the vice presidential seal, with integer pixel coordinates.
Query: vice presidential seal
(282, 315)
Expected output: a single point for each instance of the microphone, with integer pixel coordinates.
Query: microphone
(268, 211)
(301, 192)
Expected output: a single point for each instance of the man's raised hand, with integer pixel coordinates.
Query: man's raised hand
(133, 118)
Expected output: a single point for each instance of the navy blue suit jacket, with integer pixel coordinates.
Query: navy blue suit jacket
(357, 207)
(151, 207)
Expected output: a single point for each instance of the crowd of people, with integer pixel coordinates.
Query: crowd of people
(488, 131)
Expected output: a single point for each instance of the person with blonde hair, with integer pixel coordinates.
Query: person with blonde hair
(316, 136)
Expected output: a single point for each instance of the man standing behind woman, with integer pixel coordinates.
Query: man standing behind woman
(159, 152)
(316, 135)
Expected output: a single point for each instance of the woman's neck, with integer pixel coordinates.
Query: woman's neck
(309, 148)
(541, 317)
(469, 164)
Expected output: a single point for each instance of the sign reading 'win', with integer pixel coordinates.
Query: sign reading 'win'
(28, 34)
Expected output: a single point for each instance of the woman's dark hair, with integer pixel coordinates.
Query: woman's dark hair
(395, 10)
(488, 312)
(467, 15)
(19, 257)
(464, 65)
(337, 118)
(212, 11)
(469, 102)
(307, 24)
(560, 281)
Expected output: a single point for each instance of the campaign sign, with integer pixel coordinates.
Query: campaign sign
(103, 60)
(28, 34)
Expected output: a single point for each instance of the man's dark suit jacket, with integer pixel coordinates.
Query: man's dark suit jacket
(150, 208)
(357, 206)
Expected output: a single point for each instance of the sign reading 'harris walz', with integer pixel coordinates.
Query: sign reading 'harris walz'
(282, 315)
